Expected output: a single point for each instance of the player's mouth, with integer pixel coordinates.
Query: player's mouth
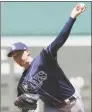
(21, 64)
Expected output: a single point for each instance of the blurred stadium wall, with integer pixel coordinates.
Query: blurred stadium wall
(37, 24)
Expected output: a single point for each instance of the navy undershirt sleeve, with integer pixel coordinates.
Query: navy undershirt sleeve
(61, 38)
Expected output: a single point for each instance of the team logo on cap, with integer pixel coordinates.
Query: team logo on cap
(24, 47)
(13, 47)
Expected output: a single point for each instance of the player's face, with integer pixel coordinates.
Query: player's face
(20, 57)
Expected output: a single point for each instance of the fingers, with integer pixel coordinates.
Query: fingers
(78, 9)
(81, 7)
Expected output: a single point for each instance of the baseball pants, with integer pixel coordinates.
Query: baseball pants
(75, 106)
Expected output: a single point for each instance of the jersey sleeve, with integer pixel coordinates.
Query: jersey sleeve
(61, 38)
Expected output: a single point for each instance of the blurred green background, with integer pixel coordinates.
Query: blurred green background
(41, 18)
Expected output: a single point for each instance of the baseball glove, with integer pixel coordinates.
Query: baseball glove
(27, 101)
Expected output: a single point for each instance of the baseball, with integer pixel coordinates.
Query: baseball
(80, 6)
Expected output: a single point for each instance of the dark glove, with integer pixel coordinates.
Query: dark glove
(25, 110)
(27, 101)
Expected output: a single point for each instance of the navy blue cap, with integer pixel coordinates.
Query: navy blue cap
(16, 47)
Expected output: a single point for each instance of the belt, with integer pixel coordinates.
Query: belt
(69, 100)
(65, 102)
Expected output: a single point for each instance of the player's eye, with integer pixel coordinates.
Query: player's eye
(19, 54)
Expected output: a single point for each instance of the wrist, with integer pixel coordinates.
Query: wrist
(73, 17)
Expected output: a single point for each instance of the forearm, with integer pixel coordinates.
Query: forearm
(62, 37)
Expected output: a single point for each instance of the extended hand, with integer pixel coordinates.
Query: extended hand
(79, 8)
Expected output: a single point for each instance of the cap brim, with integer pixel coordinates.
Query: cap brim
(10, 54)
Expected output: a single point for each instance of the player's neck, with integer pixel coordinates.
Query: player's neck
(29, 61)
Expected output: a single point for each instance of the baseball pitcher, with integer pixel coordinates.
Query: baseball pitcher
(43, 78)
